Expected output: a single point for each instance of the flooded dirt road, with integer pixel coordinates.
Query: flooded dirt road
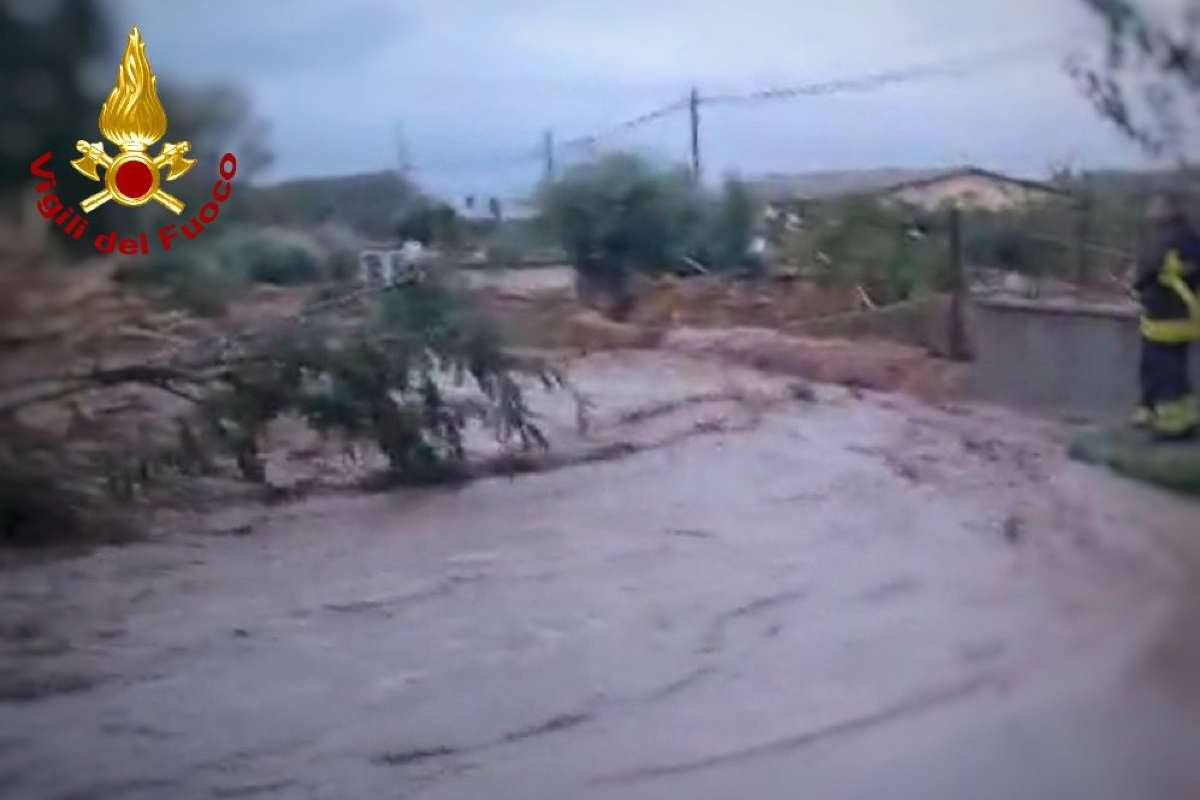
(743, 589)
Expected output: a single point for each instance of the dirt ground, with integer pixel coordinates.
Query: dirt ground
(732, 583)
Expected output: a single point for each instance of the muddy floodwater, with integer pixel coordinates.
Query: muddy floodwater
(738, 589)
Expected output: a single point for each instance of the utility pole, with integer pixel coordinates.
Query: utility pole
(403, 157)
(548, 154)
(694, 106)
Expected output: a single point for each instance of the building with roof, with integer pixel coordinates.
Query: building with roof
(930, 189)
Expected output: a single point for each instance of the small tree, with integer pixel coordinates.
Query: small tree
(623, 209)
(616, 215)
(729, 235)
(623, 214)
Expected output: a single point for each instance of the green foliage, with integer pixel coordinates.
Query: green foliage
(190, 277)
(340, 246)
(516, 242)
(205, 276)
(894, 253)
(387, 381)
(271, 255)
(623, 211)
(49, 494)
(204, 291)
(430, 224)
(369, 204)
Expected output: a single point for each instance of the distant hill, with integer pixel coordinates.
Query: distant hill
(369, 202)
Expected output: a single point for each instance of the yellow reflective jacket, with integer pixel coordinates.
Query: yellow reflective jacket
(1168, 284)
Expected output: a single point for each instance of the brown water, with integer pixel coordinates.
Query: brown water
(766, 597)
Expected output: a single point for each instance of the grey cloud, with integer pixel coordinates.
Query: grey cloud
(474, 80)
(250, 40)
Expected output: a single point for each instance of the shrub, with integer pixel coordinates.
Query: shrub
(624, 210)
(503, 253)
(49, 496)
(340, 248)
(189, 276)
(272, 255)
(204, 291)
(623, 213)
(892, 252)
(430, 224)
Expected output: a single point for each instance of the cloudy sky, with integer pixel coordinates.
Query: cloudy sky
(469, 83)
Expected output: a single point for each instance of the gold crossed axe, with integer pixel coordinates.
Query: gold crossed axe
(171, 156)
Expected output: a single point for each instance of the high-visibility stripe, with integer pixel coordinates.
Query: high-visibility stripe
(1177, 416)
(1175, 331)
(1171, 331)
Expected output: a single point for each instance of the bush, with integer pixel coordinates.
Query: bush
(190, 276)
(203, 278)
(204, 292)
(35, 509)
(622, 210)
(340, 246)
(272, 255)
(49, 496)
(894, 253)
(431, 224)
(623, 214)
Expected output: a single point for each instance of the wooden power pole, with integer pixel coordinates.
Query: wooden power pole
(694, 107)
(548, 154)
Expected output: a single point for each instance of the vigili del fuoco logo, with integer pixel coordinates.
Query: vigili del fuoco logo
(132, 119)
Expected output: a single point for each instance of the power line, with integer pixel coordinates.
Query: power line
(942, 69)
(627, 125)
(506, 159)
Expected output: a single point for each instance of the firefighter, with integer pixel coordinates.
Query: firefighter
(1168, 285)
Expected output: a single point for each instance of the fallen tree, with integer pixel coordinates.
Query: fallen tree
(377, 366)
